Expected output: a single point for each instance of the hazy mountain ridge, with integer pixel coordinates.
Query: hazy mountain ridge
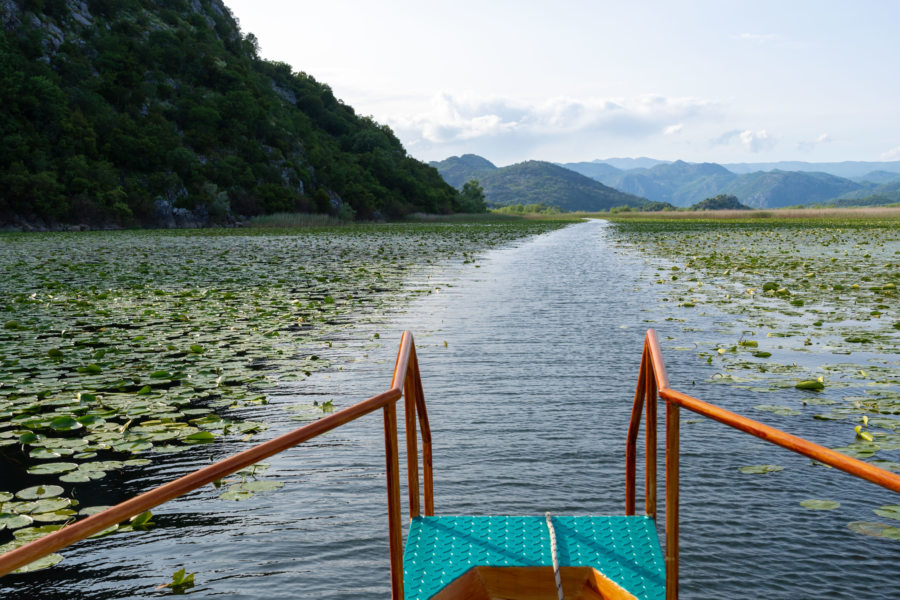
(683, 184)
(536, 182)
(775, 189)
(457, 170)
(848, 168)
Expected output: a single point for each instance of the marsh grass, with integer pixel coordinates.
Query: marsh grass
(872, 213)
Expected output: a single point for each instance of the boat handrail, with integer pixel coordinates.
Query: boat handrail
(653, 382)
(406, 383)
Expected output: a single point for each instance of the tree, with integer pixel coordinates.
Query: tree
(471, 197)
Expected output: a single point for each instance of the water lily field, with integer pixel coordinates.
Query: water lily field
(121, 350)
(814, 323)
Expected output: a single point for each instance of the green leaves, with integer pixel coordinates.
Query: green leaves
(181, 581)
(813, 385)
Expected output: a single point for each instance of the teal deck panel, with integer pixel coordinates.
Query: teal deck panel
(624, 549)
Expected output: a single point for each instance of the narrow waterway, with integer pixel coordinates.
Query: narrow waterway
(529, 363)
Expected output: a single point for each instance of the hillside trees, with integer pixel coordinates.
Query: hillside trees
(471, 197)
(155, 104)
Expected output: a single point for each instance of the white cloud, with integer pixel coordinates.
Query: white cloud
(757, 141)
(893, 154)
(673, 129)
(754, 141)
(808, 146)
(456, 118)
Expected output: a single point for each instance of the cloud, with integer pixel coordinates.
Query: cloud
(893, 154)
(673, 129)
(754, 141)
(757, 141)
(457, 118)
(757, 38)
(808, 146)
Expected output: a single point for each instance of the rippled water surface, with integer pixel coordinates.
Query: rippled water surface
(529, 362)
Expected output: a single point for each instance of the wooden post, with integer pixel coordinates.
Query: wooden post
(672, 457)
(410, 399)
(634, 427)
(425, 428)
(392, 461)
(650, 434)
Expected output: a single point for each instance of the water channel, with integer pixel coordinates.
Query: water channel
(529, 363)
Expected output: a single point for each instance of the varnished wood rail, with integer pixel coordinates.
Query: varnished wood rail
(406, 383)
(652, 383)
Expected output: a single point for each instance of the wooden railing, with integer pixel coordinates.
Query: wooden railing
(653, 382)
(406, 383)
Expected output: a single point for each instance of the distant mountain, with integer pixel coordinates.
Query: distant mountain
(457, 170)
(678, 183)
(886, 193)
(720, 202)
(850, 168)
(536, 182)
(683, 184)
(595, 170)
(878, 177)
(626, 164)
(775, 189)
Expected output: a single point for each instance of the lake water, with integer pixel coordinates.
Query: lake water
(529, 364)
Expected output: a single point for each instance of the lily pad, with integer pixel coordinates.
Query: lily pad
(873, 529)
(65, 424)
(32, 533)
(39, 492)
(759, 469)
(14, 521)
(52, 468)
(41, 563)
(891, 511)
(820, 504)
(261, 485)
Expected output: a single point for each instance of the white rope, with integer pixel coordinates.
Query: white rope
(559, 590)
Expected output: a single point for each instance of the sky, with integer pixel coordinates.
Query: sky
(577, 80)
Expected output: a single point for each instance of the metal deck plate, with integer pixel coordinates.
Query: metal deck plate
(624, 549)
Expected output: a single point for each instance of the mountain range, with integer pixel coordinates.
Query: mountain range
(534, 182)
(679, 183)
(683, 184)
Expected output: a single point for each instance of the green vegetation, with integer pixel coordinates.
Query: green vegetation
(114, 356)
(720, 202)
(799, 215)
(814, 308)
(162, 113)
(471, 198)
(181, 581)
(815, 319)
(527, 209)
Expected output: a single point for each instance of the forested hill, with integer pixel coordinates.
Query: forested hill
(132, 111)
(538, 182)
